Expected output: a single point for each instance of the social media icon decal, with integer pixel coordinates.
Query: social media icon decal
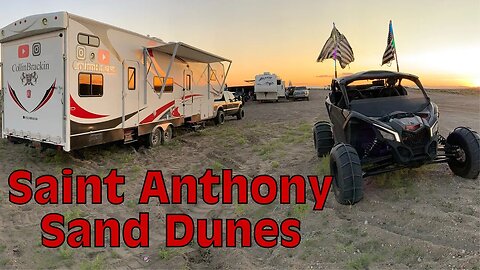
(36, 49)
(103, 57)
(23, 51)
(81, 54)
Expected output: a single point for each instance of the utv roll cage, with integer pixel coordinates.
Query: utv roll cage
(343, 94)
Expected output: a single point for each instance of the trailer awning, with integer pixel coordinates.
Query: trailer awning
(188, 52)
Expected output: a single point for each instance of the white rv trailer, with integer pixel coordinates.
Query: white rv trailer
(74, 82)
(269, 87)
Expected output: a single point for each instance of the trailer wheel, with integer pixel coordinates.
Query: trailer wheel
(467, 163)
(240, 113)
(167, 135)
(220, 119)
(155, 138)
(346, 170)
(14, 140)
(322, 138)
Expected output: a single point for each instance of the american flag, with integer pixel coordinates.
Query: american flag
(337, 48)
(389, 53)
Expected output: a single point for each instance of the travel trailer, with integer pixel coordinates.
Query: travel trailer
(73, 82)
(269, 87)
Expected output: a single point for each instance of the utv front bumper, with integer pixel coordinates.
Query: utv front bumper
(415, 148)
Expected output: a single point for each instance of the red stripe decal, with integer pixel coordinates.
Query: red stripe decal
(194, 95)
(80, 112)
(175, 112)
(15, 98)
(158, 112)
(47, 97)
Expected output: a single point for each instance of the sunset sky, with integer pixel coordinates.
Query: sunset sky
(436, 40)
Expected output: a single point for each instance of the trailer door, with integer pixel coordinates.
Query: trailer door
(33, 79)
(188, 97)
(131, 94)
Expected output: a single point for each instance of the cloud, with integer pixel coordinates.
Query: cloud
(324, 76)
(346, 74)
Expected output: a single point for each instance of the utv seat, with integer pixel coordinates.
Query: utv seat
(388, 92)
(401, 90)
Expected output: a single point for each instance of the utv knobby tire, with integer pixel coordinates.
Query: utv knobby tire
(220, 118)
(468, 141)
(240, 113)
(155, 137)
(346, 170)
(322, 138)
(167, 135)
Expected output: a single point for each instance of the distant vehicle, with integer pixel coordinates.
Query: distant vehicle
(377, 127)
(228, 105)
(300, 92)
(289, 92)
(269, 87)
(246, 92)
(237, 95)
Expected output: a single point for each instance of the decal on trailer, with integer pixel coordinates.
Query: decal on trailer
(80, 112)
(79, 128)
(48, 95)
(157, 113)
(29, 78)
(23, 51)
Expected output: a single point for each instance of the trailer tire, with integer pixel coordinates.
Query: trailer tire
(346, 169)
(322, 138)
(220, 118)
(468, 142)
(155, 137)
(167, 135)
(240, 113)
(14, 140)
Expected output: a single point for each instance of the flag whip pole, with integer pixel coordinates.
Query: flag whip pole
(335, 61)
(395, 48)
(335, 52)
(396, 60)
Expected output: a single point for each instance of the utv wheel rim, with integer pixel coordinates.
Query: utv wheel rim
(462, 156)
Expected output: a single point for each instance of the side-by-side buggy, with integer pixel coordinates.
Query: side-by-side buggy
(381, 121)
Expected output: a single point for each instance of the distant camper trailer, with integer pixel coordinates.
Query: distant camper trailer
(73, 82)
(269, 87)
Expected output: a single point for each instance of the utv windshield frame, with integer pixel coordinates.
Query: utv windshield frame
(343, 84)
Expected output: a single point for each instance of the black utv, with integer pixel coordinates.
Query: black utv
(381, 121)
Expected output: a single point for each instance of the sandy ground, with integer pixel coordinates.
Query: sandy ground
(425, 218)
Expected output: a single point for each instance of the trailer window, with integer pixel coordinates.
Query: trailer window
(158, 83)
(93, 41)
(83, 39)
(89, 40)
(90, 85)
(131, 78)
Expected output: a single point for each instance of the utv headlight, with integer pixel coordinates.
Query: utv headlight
(434, 129)
(388, 134)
